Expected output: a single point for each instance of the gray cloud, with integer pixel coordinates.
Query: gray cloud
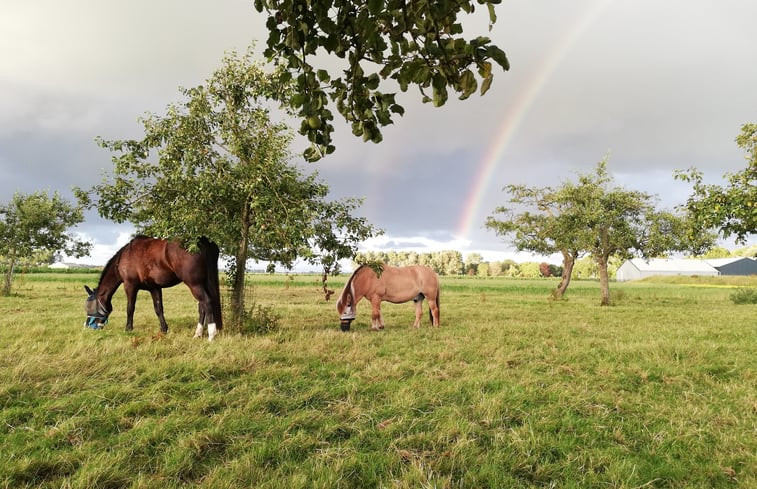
(658, 85)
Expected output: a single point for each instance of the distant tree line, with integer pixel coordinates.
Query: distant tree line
(450, 262)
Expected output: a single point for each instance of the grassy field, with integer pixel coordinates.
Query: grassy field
(513, 391)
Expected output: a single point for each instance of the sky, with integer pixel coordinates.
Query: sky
(654, 86)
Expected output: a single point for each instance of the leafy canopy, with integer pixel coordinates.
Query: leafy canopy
(731, 209)
(215, 165)
(591, 216)
(379, 46)
(37, 224)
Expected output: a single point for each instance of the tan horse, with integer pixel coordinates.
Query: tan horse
(394, 284)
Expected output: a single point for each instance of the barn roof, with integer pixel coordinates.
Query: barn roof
(660, 265)
(720, 262)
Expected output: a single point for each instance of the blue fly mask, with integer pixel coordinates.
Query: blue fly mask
(97, 314)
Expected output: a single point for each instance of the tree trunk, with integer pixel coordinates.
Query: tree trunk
(8, 277)
(568, 261)
(240, 267)
(326, 291)
(604, 280)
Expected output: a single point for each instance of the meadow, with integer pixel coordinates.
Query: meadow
(513, 391)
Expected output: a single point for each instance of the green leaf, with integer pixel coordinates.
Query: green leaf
(468, 84)
(492, 16)
(486, 84)
(323, 76)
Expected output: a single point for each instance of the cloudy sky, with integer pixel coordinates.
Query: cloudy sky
(657, 86)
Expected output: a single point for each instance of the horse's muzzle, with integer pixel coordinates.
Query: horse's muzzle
(345, 324)
(95, 322)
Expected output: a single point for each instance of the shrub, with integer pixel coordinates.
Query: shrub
(260, 320)
(744, 296)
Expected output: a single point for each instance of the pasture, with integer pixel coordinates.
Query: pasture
(513, 391)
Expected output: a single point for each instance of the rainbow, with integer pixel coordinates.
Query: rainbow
(516, 116)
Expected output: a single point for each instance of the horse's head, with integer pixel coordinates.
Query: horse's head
(346, 310)
(97, 313)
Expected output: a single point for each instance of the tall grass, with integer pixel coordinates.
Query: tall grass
(514, 390)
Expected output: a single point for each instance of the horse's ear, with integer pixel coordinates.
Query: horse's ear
(89, 291)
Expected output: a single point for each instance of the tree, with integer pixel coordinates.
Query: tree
(472, 262)
(442, 262)
(37, 224)
(215, 165)
(615, 222)
(528, 269)
(717, 252)
(539, 222)
(730, 209)
(593, 217)
(378, 45)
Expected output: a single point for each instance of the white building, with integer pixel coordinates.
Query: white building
(638, 268)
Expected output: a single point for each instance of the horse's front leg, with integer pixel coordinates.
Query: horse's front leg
(376, 321)
(418, 313)
(131, 301)
(157, 302)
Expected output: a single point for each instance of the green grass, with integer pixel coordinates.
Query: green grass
(514, 390)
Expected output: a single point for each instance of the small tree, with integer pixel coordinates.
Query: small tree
(592, 217)
(538, 222)
(37, 224)
(716, 252)
(217, 166)
(615, 222)
(529, 269)
(472, 262)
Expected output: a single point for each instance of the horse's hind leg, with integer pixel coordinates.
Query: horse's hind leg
(205, 311)
(200, 320)
(157, 302)
(434, 310)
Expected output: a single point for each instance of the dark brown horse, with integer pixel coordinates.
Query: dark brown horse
(154, 264)
(393, 284)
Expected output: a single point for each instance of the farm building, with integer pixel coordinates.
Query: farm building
(738, 265)
(638, 268)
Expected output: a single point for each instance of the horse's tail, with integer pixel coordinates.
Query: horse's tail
(210, 252)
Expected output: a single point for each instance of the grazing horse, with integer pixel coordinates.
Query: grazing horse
(393, 284)
(154, 264)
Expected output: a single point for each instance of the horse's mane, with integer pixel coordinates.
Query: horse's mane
(348, 285)
(114, 259)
